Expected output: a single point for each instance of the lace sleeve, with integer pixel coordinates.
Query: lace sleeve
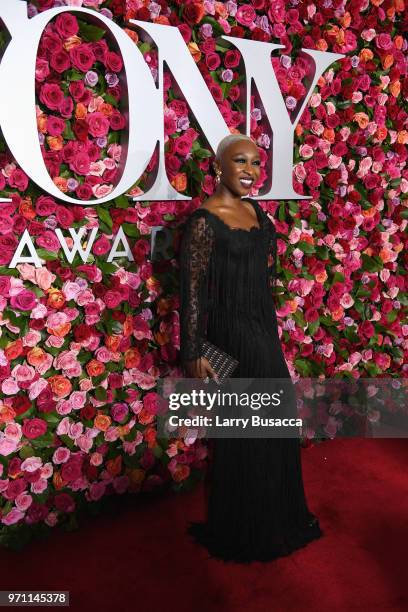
(195, 253)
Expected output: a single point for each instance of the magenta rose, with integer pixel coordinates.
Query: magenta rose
(119, 412)
(212, 60)
(25, 300)
(76, 89)
(81, 163)
(182, 145)
(66, 107)
(383, 41)
(65, 216)
(245, 15)
(4, 286)
(113, 61)
(42, 69)
(117, 121)
(82, 57)
(150, 402)
(84, 191)
(98, 124)
(51, 95)
(18, 179)
(112, 299)
(55, 126)
(45, 205)
(60, 61)
(101, 246)
(34, 428)
(66, 25)
(48, 241)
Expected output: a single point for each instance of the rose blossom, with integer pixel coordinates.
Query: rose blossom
(82, 57)
(25, 300)
(91, 78)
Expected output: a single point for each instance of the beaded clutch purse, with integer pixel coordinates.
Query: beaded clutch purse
(220, 361)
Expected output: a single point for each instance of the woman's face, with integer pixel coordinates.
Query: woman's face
(240, 166)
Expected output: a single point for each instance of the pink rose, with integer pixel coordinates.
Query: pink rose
(45, 205)
(5, 286)
(51, 95)
(55, 126)
(42, 69)
(61, 455)
(18, 179)
(82, 57)
(44, 278)
(34, 428)
(101, 191)
(49, 241)
(23, 501)
(245, 15)
(25, 300)
(112, 299)
(98, 124)
(384, 41)
(119, 412)
(12, 517)
(81, 163)
(66, 107)
(213, 61)
(7, 446)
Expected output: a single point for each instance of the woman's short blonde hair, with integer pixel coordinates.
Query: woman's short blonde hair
(228, 140)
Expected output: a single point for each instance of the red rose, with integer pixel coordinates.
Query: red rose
(82, 332)
(51, 43)
(65, 217)
(232, 58)
(185, 31)
(84, 192)
(82, 57)
(60, 61)
(71, 470)
(80, 129)
(113, 61)
(51, 95)
(76, 89)
(66, 25)
(87, 412)
(34, 428)
(21, 404)
(100, 50)
(112, 299)
(193, 13)
(212, 60)
(117, 121)
(64, 502)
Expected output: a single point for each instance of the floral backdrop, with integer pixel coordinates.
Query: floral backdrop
(82, 345)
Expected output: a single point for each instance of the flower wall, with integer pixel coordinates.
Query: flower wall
(82, 345)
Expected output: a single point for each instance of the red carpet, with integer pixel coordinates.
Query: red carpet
(139, 557)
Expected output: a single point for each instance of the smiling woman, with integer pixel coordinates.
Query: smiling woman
(256, 508)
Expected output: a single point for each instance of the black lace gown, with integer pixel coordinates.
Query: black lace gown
(256, 502)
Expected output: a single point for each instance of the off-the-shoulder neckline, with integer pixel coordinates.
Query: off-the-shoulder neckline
(238, 229)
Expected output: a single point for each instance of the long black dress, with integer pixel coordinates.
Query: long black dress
(256, 506)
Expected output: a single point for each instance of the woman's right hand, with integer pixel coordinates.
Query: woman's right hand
(200, 368)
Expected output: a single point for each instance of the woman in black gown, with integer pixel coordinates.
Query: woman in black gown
(256, 507)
